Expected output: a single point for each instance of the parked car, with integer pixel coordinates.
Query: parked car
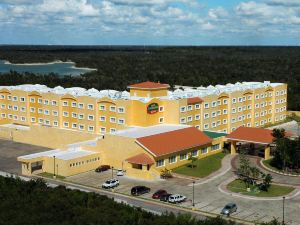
(139, 190)
(165, 197)
(102, 168)
(120, 172)
(159, 193)
(176, 198)
(229, 208)
(112, 183)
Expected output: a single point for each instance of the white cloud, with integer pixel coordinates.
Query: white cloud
(287, 3)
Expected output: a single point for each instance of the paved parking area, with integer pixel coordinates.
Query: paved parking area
(9, 151)
(207, 196)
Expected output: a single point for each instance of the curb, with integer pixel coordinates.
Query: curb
(274, 171)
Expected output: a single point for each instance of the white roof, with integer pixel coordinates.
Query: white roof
(138, 132)
(180, 93)
(15, 126)
(59, 154)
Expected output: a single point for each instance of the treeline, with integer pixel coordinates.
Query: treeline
(34, 203)
(192, 66)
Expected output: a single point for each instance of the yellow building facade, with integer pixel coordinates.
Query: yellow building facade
(57, 117)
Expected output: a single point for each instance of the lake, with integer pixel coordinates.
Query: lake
(61, 68)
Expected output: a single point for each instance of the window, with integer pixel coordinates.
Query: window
(54, 113)
(10, 107)
(161, 119)
(32, 100)
(65, 103)
(2, 97)
(225, 111)
(9, 97)
(122, 110)
(90, 128)
(3, 106)
(47, 122)
(218, 112)
(239, 109)
(234, 100)
(10, 116)
(244, 98)
(172, 159)
(15, 108)
(219, 102)
(74, 115)
(189, 118)
(204, 150)
(80, 105)
(189, 107)
(40, 111)
(102, 118)
(54, 103)
(206, 115)
(160, 162)
(22, 99)
(197, 117)
(81, 116)
(206, 105)
(55, 123)
(32, 109)
(91, 117)
(213, 104)
(90, 106)
(215, 147)
(213, 124)
(183, 156)
(66, 124)
(194, 153)
(182, 109)
(23, 109)
(112, 119)
(182, 120)
(197, 106)
(206, 126)
(81, 127)
(112, 108)
(32, 119)
(121, 121)
(46, 102)
(225, 101)
(3, 115)
(74, 104)
(113, 130)
(102, 107)
(46, 112)
(240, 99)
(40, 101)
(102, 129)
(65, 114)
(224, 121)
(213, 114)
(15, 117)
(233, 110)
(249, 97)
(41, 120)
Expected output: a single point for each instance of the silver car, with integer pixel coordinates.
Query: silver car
(229, 208)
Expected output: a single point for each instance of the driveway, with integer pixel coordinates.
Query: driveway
(9, 151)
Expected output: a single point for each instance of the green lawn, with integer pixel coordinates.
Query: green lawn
(239, 186)
(267, 164)
(204, 166)
(50, 175)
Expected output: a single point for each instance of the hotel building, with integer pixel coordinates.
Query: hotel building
(144, 131)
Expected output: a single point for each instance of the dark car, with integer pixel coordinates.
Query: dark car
(165, 197)
(102, 168)
(139, 190)
(229, 208)
(159, 193)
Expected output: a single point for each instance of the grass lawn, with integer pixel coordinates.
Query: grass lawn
(50, 175)
(239, 186)
(267, 164)
(204, 166)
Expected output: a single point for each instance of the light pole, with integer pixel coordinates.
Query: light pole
(283, 200)
(112, 172)
(54, 167)
(193, 193)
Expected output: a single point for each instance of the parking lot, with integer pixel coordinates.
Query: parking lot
(207, 196)
(9, 151)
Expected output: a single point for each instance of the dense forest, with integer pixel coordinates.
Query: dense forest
(119, 66)
(34, 203)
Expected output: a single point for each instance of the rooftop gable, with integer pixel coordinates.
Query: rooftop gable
(148, 85)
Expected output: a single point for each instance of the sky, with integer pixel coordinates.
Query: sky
(150, 22)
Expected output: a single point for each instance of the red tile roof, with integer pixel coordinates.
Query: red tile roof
(251, 134)
(173, 141)
(149, 85)
(142, 159)
(195, 100)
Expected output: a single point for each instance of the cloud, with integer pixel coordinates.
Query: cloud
(287, 3)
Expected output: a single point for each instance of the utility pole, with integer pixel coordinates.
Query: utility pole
(283, 200)
(54, 167)
(112, 172)
(193, 193)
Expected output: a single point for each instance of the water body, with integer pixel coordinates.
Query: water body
(61, 68)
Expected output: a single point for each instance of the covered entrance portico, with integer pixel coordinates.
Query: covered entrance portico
(251, 135)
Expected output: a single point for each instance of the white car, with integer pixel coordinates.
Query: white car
(120, 173)
(111, 183)
(176, 198)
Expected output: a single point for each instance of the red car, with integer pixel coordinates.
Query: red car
(102, 168)
(159, 193)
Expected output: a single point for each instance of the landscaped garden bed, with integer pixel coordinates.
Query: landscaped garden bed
(267, 163)
(238, 186)
(202, 167)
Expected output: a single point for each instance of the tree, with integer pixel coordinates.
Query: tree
(267, 179)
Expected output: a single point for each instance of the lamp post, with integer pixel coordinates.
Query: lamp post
(283, 200)
(193, 193)
(54, 167)
(112, 172)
